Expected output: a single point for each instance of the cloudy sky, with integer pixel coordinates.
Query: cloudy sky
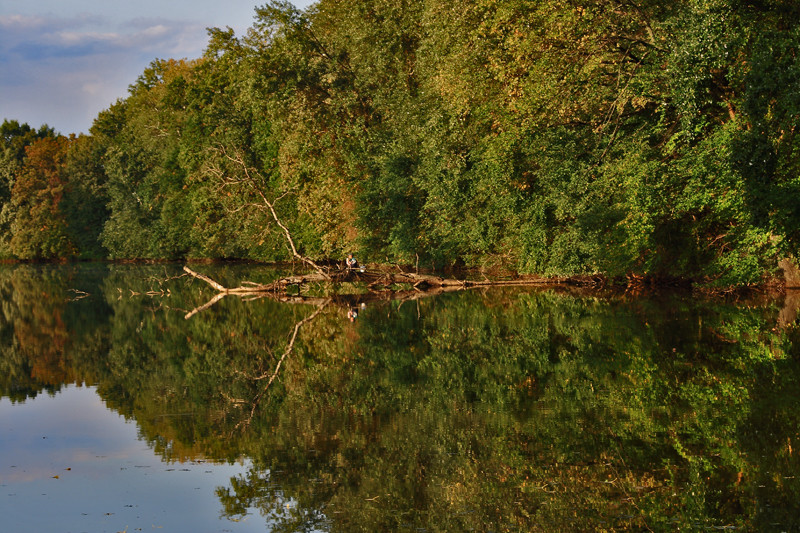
(64, 61)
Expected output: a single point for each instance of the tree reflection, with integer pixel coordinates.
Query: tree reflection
(504, 409)
(41, 329)
(530, 411)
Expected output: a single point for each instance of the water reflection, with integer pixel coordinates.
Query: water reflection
(70, 464)
(506, 409)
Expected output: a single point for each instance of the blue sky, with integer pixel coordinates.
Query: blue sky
(64, 61)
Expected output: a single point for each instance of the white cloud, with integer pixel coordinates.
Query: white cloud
(155, 31)
(64, 71)
(8, 22)
(69, 38)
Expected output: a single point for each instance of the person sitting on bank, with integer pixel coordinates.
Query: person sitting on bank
(351, 261)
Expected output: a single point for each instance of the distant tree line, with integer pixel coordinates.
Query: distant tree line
(630, 138)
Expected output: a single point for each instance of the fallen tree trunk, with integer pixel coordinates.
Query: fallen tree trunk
(382, 286)
(376, 281)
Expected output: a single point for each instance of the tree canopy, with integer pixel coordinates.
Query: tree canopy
(639, 139)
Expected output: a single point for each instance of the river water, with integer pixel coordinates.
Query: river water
(513, 409)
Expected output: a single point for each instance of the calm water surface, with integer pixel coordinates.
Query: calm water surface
(71, 464)
(496, 410)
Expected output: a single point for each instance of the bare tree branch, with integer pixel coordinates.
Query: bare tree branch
(249, 178)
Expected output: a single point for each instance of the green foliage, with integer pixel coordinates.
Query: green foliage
(141, 168)
(85, 198)
(644, 139)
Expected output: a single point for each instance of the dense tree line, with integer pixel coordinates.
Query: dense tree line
(557, 137)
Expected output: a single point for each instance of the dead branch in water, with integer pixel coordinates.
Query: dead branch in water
(376, 281)
(380, 285)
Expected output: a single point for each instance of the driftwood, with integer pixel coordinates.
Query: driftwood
(381, 285)
(376, 280)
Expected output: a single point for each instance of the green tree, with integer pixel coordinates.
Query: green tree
(85, 198)
(148, 216)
